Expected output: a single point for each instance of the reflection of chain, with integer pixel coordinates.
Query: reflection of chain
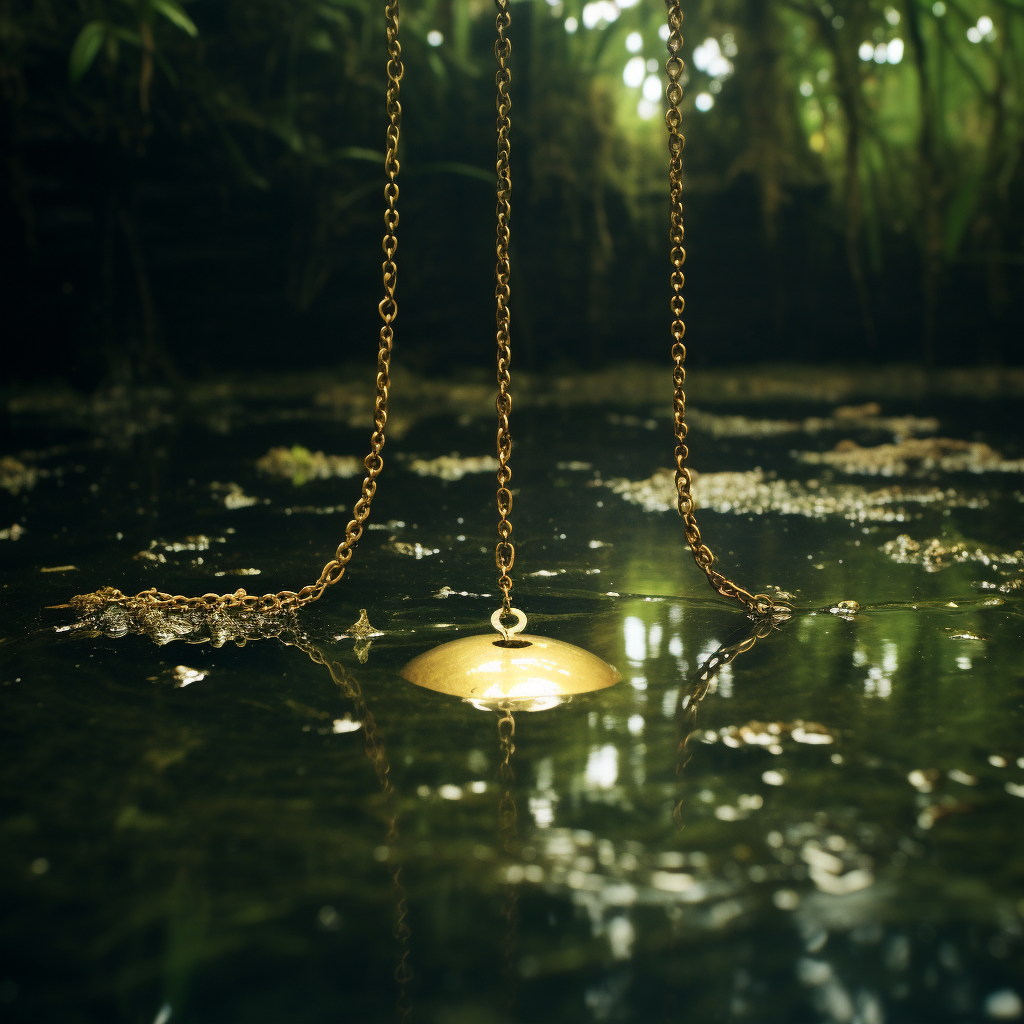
(333, 571)
(508, 827)
(504, 553)
(756, 604)
(702, 680)
(377, 754)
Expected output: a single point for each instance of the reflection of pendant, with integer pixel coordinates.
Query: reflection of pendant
(524, 673)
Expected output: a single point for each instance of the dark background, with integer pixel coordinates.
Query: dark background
(224, 214)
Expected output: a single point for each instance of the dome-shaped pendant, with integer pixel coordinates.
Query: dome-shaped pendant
(512, 670)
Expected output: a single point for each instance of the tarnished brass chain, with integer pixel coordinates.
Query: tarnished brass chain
(505, 552)
(334, 570)
(755, 604)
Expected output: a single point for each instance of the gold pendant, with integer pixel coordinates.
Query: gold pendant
(516, 671)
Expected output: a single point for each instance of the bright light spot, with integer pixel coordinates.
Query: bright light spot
(478, 787)
(773, 778)
(822, 75)
(652, 88)
(973, 34)
(985, 24)
(652, 65)
(892, 15)
(817, 142)
(705, 54)
(719, 68)
(881, 52)
(938, 8)
(866, 51)
(646, 110)
(542, 810)
(627, 3)
(620, 938)
(634, 71)
(434, 37)
(571, 24)
(663, 33)
(602, 767)
(634, 42)
(894, 51)
(654, 640)
(635, 635)
(838, 22)
(729, 47)
(715, 87)
(346, 724)
(635, 725)
(806, 88)
(599, 13)
(704, 102)
(449, 792)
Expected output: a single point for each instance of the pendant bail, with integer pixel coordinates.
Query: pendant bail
(508, 632)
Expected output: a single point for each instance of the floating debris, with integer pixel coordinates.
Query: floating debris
(868, 417)
(934, 555)
(58, 568)
(194, 542)
(15, 476)
(195, 625)
(914, 456)
(361, 628)
(232, 496)
(845, 609)
(239, 572)
(300, 465)
(417, 550)
(346, 724)
(574, 467)
(13, 532)
(755, 492)
(454, 466)
(185, 676)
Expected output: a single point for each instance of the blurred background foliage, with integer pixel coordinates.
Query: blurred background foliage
(198, 188)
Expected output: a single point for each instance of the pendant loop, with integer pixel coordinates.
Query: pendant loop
(507, 634)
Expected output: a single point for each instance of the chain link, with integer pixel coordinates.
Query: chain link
(755, 604)
(334, 570)
(504, 552)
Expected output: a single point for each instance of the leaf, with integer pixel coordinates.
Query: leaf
(174, 13)
(360, 153)
(85, 48)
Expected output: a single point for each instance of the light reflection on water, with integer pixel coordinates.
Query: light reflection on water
(822, 827)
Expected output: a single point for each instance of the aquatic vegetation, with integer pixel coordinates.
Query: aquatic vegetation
(758, 492)
(300, 465)
(914, 456)
(935, 554)
(15, 476)
(454, 466)
(868, 417)
(232, 496)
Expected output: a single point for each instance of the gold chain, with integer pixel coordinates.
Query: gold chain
(333, 571)
(505, 552)
(755, 604)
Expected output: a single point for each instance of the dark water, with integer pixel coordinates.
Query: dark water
(833, 833)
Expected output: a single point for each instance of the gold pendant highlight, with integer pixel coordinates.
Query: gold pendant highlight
(515, 671)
